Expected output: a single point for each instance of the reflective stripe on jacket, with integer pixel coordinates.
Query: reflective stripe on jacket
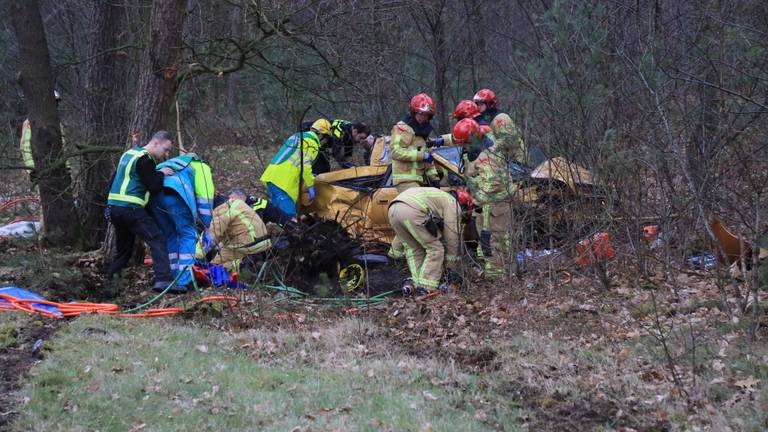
(408, 150)
(127, 190)
(194, 183)
(286, 167)
(25, 145)
(441, 203)
(235, 225)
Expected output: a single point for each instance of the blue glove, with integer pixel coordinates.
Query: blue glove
(281, 244)
(311, 193)
(206, 242)
(438, 141)
(428, 157)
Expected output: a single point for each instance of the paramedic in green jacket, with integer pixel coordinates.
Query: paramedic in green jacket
(135, 179)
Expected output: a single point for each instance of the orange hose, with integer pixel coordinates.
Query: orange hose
(76, 309)
(15, 201)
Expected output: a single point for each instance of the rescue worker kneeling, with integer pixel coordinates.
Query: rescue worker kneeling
(237, 231)
(424, 218)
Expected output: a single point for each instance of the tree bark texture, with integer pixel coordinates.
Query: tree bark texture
(59, 217)
(157, 77)
(233, 80)
(105, 115)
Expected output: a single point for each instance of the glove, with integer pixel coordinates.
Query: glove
(108, 214)
(428, 157)
(435, 183)
(206, 242)
(281, 244)
(311, 193)
(436, 142)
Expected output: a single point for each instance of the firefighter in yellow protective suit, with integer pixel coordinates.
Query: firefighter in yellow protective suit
(487, 173)
(505, 132)
(411, 159)
(412, 162)
(428, 222)
(293, 164)
(237, 231)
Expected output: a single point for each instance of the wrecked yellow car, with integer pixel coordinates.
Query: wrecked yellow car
(358, 198)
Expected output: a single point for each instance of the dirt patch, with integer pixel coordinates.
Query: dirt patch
(16, 359)
(561, 412)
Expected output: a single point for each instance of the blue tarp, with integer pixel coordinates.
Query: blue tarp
(21, 293)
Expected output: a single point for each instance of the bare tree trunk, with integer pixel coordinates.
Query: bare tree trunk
(233, 80)
(160, 64)
(59, 217)
(157, 82)
(105, 115)
(441, 67)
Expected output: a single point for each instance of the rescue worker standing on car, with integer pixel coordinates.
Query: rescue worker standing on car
(428, 221)
(292, 165)
(135, 180)
(186, 198)
(487, 174)
(505, 132)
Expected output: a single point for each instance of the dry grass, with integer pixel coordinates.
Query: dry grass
(110, 374)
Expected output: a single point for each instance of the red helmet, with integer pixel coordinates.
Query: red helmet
(487, 97)
(463, 197)
(422, 103)
(465, 129)
(466, 109)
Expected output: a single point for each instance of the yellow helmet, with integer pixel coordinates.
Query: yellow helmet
(321, 127)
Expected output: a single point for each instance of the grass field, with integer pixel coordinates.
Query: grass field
(111, 374)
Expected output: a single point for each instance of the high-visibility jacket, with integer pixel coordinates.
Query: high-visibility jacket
(408, 150)
(238, 231)
(287, 166)
(192, 180)
(343, 146)
(25, 144)
(507, 135)
(488, 176)
(440, 203)
(127, 189)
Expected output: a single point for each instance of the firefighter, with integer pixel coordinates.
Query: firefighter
(237, 231)
(411, 159)
(489, 181)
(504, 130)
(468, 109)
(135, 180)
(428, 221)
(187, 197)
(293, 165)
(464, 109)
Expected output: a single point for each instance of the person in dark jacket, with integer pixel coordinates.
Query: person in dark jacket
(135, 179)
